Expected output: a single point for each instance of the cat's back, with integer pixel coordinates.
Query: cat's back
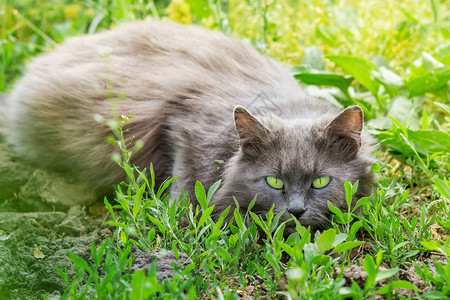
(146, 61)
(142, 50)
(147, 70)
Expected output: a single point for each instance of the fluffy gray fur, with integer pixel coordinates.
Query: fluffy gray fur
(183, 87)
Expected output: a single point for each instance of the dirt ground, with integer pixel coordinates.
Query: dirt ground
(37, 229)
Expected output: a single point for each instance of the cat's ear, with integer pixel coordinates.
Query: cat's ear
(252, 133)
(345, 130)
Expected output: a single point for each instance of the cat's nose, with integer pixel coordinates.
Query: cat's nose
(297, 211)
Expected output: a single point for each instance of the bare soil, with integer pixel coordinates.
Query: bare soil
(37, 229)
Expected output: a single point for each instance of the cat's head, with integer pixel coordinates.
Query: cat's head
(299, 165)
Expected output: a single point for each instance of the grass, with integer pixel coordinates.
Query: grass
(390, 57)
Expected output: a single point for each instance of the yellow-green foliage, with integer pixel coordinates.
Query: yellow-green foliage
(398, 31)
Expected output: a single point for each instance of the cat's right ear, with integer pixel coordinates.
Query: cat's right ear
(252, 133)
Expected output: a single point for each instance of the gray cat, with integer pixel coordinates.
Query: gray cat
(185, 89)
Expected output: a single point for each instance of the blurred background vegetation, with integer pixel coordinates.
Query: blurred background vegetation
(396, 31)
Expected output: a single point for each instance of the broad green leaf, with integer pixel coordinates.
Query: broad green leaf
(347, 246)
(355, 187)
(221, 219)
(326, 240)
(115, 224)
(371, 269)
(164, 186)
(428, 82)
(214, 237)
(331, 94)
(212, 190)
(354, 229)
(152, 177)
(238, 219)
(340, 237)
(440, 270)
(288, 249)
(269, 215)
(203, 231)
(200, 194)
(205, 215)
(123, 237)
(442, 187)
(339, 81)
(397, 284)
(345, 291)
(259, 222)
(80, 263)
(409, 254)
(348, 218)
(394, 144)
(430, 141)
(430, 246)
(400, 245)
(139, 289)
(336, 211)
(279, 231)
(158, 223)
(369, 266)
(445, 60)
(223, 253)
(188, 269)
(350, 190)
(386, 274)
(361, 202)
(276, 220)
(379, 257)
(250, 206)
(305, 237)
(321, 259)
(151, 235)
(138, 200)
(399, 125)
(359, 68)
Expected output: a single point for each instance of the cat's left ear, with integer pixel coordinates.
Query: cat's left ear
(252, 133)
(345, 131)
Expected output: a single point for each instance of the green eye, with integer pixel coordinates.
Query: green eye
(275, 182)
(321, 182)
